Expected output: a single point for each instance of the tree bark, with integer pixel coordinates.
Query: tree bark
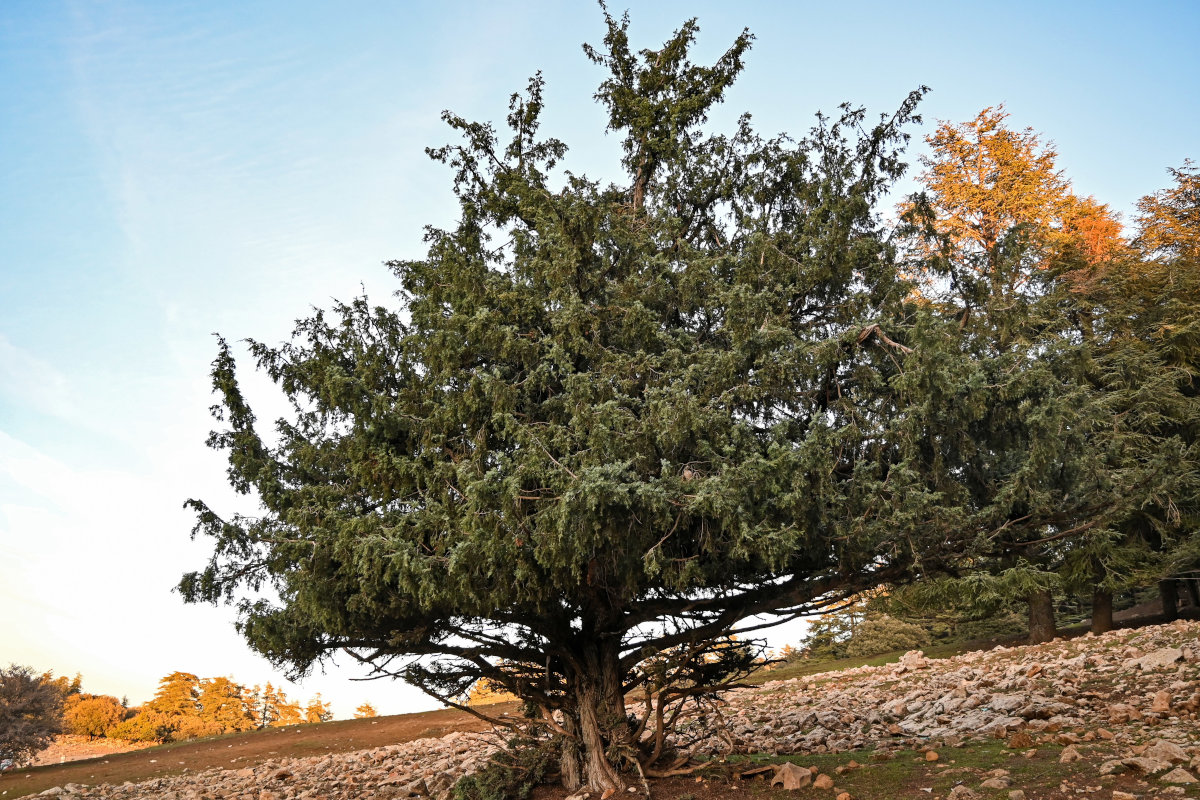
(1041, 617)
(598, 773)
(1102, 611)
(596, 721)
(569, 764)
(1169, 593)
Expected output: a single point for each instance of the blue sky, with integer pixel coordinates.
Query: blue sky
(171, 169)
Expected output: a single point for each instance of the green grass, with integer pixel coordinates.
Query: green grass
(815, 666)
(906, 773)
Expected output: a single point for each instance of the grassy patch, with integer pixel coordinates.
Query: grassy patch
(816, 666)
(907, 773)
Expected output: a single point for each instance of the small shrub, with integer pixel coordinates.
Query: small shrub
(884, 634)
(512, 772)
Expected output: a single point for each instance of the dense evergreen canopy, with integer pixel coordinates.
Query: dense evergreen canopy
(608, 423)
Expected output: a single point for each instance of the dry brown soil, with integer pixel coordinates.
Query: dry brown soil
(239, 750)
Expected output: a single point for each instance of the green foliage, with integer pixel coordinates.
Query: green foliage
(828, 635)
(995, 626)
(30, 712)
(512, 773)
(883, 634)
(608, 421)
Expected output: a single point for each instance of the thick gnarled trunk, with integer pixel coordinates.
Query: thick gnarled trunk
(1041, 617)
(598, 722)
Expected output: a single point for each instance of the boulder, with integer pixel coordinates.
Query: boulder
(1178, 775)
(1156, 660)
(1169, 752)
(789, 776)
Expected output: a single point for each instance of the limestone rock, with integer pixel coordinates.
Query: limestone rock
(1156, 660)
(1162, 750)
(1020, 740)
(1148, 766)
(1178, 775)
(790, 776)
(1069, 755)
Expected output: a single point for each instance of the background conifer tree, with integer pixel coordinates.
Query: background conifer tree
(1054, 447)
(223, 705)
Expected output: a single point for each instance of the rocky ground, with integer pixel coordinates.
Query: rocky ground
(1118, 712)
(74, 748)
(421, 768)
(1116, 689)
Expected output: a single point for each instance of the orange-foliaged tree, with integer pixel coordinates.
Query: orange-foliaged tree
(317, 710)
(1169, 220)
(92, 715)
(223, 705)
(987, 185)
(996, 215)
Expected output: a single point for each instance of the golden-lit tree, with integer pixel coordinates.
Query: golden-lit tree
(92, 715)
(317, 711)
(485, 692)
(1168, 221)
(365, 711)
(273, 709)
(178, 694)
(991, 189)
(223, 705)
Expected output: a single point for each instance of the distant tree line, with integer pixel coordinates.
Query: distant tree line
(188, 707)
(36, 707)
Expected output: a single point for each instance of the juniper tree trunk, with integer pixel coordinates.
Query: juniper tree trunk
(598, 721)
(569, 763)
(1041, 617)
(1102, 611)
(599, 774)
(1169, 593)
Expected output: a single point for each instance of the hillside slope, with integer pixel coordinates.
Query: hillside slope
(1111, 716)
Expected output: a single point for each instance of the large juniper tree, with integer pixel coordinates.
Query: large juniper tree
(608, 422)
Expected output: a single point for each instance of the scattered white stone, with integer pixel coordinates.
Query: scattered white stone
(1156, 660)
(1169, 752)
(1178, 775)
